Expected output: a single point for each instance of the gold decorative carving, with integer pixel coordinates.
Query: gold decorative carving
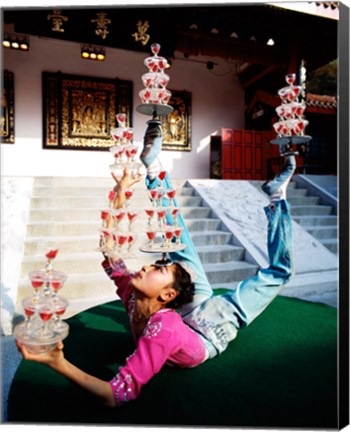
(7, 121)
(80, 111)
(141, 34)
(57, 20)
(102, 23)
(176, 126)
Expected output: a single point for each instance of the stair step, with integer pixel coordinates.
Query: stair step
(91, 285)
(85, 262)
(75, 228)
(38, 246)
(93, 214)
(211, 238)
(331, 245)
(323, 232)
(43, 191)
(306, 221)
(88, 182)
(303, 200)
(302, 210)
(228, 272)
(101, 202)
(217, 254)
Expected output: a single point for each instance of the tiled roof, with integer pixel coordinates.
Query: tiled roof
(319, 101)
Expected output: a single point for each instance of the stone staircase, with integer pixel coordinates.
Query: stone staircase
(65, 214)
(317, 219)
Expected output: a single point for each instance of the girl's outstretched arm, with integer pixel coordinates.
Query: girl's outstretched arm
(55, 360)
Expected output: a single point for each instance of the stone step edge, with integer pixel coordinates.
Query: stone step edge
(89, 222)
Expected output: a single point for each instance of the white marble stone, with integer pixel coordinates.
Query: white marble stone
(15, 204)
(240, 206)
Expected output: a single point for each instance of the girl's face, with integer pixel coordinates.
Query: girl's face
(152, 279)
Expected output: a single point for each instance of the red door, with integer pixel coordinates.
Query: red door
(244, 154)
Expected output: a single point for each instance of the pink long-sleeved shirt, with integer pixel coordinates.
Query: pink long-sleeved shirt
(165, 340)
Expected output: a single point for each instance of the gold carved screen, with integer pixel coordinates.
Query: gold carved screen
(79, 112)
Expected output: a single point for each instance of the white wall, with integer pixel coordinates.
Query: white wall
(217, 101)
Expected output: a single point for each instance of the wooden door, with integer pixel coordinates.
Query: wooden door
(244, 154)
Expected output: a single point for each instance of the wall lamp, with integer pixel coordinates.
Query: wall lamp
(93, 53)
(17, 42)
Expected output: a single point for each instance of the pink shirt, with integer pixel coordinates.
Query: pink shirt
(165, 340)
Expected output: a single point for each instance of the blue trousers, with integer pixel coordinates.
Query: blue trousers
(217, 318)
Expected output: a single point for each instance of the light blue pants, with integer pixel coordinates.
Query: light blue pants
(218, 318)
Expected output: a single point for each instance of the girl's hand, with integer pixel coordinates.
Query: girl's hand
(52, 358)
(126, 181)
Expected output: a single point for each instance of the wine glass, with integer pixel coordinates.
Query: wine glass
(153, 196)
(104, 216)
(131, 237)
(121, 240)
(29, 305)
(46, 311)
(60, 307)
(117, 134)
(57, 280)
(171, 195)
(290, 78)
(37, 280)
(151, 234)
(128, 195)
(150, 213)
(169, 234)
(118, 216)
(155, 48)
(177, 233)
(160, 194)
(132, 215)
(161, 212)
(174, 214)
(121, 119)
(161, 177)
(111, 197)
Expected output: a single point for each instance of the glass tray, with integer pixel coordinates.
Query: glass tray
(37, 345)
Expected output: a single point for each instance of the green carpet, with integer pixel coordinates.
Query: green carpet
(280, 372)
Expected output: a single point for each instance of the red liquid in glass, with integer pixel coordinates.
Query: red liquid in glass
(60, 311)
(169, 235)
(161, 175)
(29, 312)
(56, 285)
(149, 213)
(132, 216)
(121, 240)
(45, 315)
(151, 235)
(37, 283)
(171, 193)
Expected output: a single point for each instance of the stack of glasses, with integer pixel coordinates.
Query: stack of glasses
(43, 326)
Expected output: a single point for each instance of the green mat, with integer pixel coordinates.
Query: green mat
(281, 371)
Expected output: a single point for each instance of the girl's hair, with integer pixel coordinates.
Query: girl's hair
(184, 285)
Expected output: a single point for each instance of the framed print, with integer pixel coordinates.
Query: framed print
(177, 125)
(80, 111)
(8, 109)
